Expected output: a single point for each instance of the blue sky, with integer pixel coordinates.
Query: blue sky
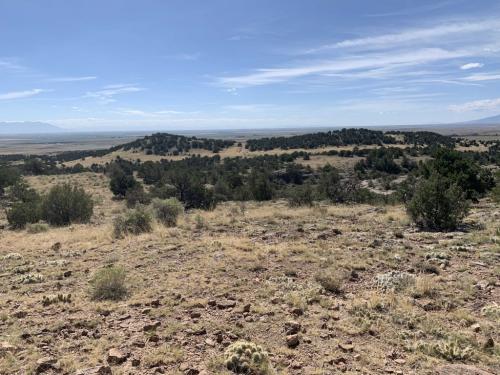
(186, 64)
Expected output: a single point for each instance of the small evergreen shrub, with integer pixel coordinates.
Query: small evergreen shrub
(167, 211)
(135, 222)
(437, 204)
(301, 196)
(137, 195)
(109, 284)
(23, 213)
(66, 204)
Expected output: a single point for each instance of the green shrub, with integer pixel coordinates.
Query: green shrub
(460, 169)
(495, 193)
(167, 211)
(23, 213)
(302, 195)
(109, 284)
(437, 204)
(137, 195)
(134, 222)
(66, 204)
(120, 180)
(8, 177)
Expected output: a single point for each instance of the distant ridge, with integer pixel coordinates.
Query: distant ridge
(493, 120)
(28, 128)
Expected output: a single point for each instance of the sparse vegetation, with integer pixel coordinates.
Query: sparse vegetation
(136, 221)
(167, 211)
(109, 284)
(344, 286)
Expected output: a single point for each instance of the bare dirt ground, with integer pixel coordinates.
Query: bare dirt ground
(366, 291)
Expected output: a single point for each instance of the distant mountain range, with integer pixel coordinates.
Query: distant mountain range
(28, 128)
(493, 120)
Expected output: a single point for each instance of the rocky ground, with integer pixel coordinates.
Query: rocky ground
(324, 290)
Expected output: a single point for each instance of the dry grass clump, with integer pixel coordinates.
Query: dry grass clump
(134, 222)
(167, 211)
(331, 282)
(109, 284)
(37, 228)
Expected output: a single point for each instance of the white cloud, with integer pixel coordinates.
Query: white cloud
(474, 65)
(483, 77)
(477, 105)
(10, 64)
(142, 113)
(105, 95)
(420, 35)
(72, 79)
(337, 66)
(21, 94)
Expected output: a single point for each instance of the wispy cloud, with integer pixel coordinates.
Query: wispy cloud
(143, 113)
(342, 65)
(186, 56)
(21, 94)
(482, 77)
(388, 56)
(418, 34)
(10, 64)
(72, 79)
(477, 105)
(414, 10)
(473, 65)
(106, 94)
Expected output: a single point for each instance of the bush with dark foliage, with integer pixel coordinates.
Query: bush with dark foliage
(66, 204)
(438, 204)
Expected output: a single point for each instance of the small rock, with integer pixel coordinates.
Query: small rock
(210, 342)
(135, 362)
(116, 356)
(297, 311)
(226, 304)
(475, 327)
(6, 347)
(246, 308)
(195, 314)
(346, 347)
(488, 343)
(45, 364)
(99, 370)
(292, 327)
(292, 341)
(151, 326)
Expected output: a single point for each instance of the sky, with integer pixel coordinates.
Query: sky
(229, 64)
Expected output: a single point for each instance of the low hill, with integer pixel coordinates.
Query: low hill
(172, 144)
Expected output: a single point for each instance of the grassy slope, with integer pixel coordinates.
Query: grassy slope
(244, 253)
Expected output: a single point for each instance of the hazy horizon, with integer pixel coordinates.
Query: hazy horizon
(195, 65)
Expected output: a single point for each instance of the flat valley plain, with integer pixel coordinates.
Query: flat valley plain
(252, 270)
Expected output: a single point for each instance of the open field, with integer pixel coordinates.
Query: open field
(249, 271)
